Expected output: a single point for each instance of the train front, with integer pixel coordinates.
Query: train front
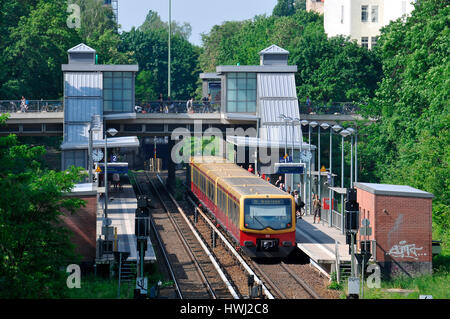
(267, 225)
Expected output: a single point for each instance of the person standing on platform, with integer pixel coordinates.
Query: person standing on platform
(251, 169)
(316, 205)
(279, 181)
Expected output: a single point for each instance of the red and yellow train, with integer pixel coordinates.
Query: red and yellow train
(259, 216)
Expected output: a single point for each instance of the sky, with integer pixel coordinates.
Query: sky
(201, 14)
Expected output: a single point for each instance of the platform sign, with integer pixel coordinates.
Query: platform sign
(286, 159)
(289, 168)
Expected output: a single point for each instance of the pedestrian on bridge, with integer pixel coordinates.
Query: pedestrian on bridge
(23, 105)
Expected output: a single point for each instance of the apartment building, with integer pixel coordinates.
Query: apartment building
(362, 20)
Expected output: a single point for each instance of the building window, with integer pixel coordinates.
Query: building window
(364, 13)
(241, 92)
(374, 14)
(365, 42)
(374, 42)
(118, 91)
(342, 14)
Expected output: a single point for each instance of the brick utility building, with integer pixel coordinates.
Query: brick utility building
(401, 221)
(83, 223)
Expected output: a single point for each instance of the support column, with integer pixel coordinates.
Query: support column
(171, 164)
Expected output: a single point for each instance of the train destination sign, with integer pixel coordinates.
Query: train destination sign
(289, 168)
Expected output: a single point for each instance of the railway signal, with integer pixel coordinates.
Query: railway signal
(351, 226)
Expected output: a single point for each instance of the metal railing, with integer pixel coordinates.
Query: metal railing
(178, 106)
(341, 108)
(32, 106)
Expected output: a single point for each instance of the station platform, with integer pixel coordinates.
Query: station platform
(122, 206)
(321, 242)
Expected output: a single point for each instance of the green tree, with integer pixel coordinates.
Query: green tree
(410, 141)
(284, 8)
(328, 69)
(33, 245)
(150, 50)
(36, 49)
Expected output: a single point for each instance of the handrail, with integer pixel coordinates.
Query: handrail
(32, 106)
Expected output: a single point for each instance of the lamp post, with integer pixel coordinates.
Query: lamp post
(344, 133)
(324, 126)
(335, 128)
(352, 132)
(312, 124)
(297, 121)
(93, 127)
(170, 40)
(304, 123)
(112, 132)
(283, 117)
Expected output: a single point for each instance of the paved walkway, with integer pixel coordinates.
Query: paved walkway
(121, 210)
(318, 241)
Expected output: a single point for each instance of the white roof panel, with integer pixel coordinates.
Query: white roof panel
(81, 48)
(393, 190)
(274, 49)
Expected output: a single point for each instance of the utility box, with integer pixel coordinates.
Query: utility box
(400, 218)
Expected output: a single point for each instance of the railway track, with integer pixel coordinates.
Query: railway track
(189, 264)
(276, 279)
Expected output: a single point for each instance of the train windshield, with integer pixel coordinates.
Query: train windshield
(260, 214)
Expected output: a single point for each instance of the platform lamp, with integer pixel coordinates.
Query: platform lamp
(344, 133)
(325, 126)
(295, 121)
(112, 132)
(308, 198)
(312, 124)
(95, 126)
(283, 117)
(335, 128)
(352, 132)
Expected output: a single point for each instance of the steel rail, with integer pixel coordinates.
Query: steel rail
(184, 242)
(300, 281)
(158, 238)
(222, 275)
(234, 252)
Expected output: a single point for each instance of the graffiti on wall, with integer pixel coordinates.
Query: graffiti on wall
(405, 250)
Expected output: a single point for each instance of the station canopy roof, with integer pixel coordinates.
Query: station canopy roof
(113, 142)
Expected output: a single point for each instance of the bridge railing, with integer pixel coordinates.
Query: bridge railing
(15, 106)
(178, 106)
(342, 108)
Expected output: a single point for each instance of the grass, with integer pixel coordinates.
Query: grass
(101, 288)
(436, 285)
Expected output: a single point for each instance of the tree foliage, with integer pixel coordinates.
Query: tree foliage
(328, 69)
(150, 51)
(33, 245)
(284, 8)
(410, 141)
(35, 37)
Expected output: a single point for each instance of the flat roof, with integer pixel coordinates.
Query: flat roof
(86, 67)
(393, 190)
(257, 68)
(207, 75)
(113, 142)
(83, 189)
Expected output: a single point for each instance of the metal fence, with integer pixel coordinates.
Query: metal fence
(178, 107)
(336, 218)
(343, 108)
(16, 106)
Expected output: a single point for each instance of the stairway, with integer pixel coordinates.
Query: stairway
(345, 270)
(127, 271)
